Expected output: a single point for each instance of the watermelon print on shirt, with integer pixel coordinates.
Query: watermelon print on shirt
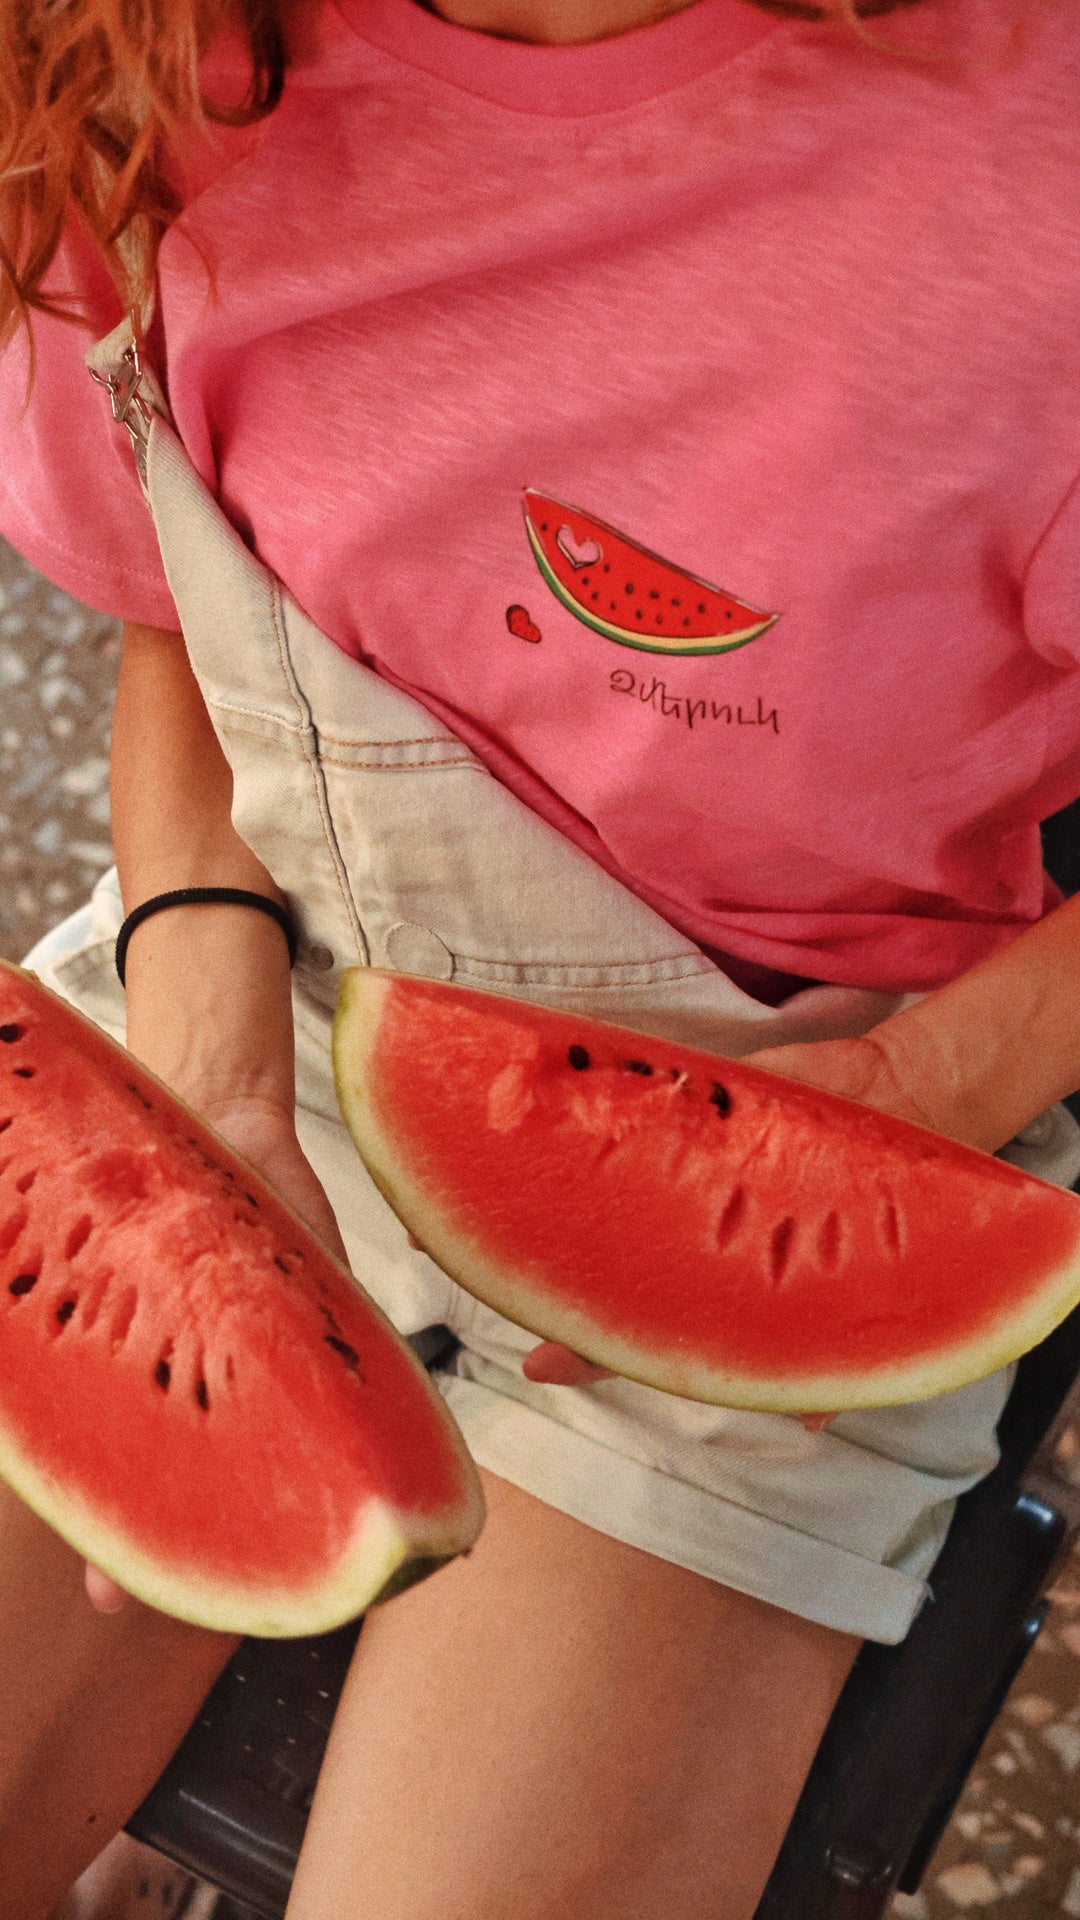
(638, 599)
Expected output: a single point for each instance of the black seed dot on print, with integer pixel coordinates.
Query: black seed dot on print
(11, 1032)
(578, 1058)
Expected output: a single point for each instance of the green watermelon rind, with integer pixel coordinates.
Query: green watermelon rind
(355, 1047)
(391, 1548)
(729, 643)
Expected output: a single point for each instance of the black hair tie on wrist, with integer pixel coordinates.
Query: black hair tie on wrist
(197, 896)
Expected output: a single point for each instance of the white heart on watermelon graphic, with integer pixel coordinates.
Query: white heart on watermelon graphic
(584, 553)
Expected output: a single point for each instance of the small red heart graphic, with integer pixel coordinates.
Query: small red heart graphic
(584, 553)
(517, 619)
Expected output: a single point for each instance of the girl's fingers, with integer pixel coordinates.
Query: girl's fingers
(103, 1594)
(558, 1367)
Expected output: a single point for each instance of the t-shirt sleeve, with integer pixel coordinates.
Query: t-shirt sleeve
(70, 499)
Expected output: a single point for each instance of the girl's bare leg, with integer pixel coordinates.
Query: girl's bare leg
(91, 1707)
(561, 1727)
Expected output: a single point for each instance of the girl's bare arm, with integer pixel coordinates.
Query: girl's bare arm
(977, 1059)
(208, 997)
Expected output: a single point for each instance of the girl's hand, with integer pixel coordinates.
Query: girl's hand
(868, 1070)
(266, 1136)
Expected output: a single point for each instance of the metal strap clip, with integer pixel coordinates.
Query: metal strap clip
(124, 380)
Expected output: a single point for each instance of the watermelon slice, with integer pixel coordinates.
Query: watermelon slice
(631, 595)
(193, 1392)
(692, 1222)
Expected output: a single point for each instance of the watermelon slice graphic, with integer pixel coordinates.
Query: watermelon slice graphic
(631, 595)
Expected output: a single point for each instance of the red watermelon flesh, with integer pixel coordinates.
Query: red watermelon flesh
(193, 1391)
(693, 1222)
(631, 595)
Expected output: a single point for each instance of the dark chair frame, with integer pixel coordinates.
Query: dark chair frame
(232, 1804)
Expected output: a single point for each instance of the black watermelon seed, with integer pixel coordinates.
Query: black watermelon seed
(24, 1073)
(202, 1396)
(251, 1197)
(163, 1374)
(653, 595)
(22, 1283)
(65, 1310)
(11, 1032)
(348, 1354)
(720, 1098)
(578, 1058)
(282, 1264)
(5, 1124)
(629, 587)
(637, 1066)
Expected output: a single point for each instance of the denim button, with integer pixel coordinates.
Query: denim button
(413, 949)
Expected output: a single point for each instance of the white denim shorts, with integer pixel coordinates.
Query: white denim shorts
(397, 848)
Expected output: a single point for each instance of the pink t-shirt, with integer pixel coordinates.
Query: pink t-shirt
(796, 316)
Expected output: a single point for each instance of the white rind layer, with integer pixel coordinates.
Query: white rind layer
(954, 1365)
(383, 1542)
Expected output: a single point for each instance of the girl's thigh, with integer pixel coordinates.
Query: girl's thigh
(561, 1727)
(91, 1707)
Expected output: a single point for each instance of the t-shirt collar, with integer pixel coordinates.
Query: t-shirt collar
(596, 77)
